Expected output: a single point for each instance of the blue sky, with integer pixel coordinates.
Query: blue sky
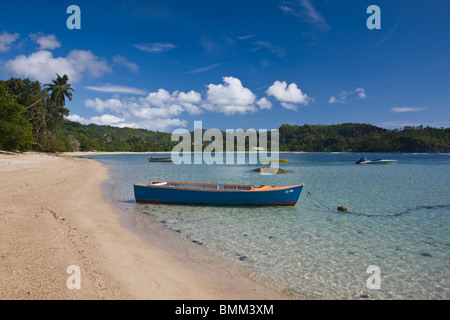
(161, 65)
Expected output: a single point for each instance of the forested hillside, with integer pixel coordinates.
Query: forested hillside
(106, 138)
(359, 137)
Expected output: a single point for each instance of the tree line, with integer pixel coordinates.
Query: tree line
(359, 137)
(30, 116)
(33, 117)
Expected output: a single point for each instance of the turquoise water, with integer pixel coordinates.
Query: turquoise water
(397, 219)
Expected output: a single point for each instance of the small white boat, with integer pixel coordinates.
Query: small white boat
(375, 161)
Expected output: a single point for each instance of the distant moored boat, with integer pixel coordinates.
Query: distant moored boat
(160, 159)
(271, 160)
(375, 161)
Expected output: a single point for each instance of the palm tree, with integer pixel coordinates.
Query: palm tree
(46, 118)
(60, 89)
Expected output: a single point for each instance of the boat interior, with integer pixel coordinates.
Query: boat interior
(201, 186)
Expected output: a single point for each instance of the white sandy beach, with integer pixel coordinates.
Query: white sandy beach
(53, 215)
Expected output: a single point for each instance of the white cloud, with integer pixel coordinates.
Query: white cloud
(155, 47)
(77, 118)
(343, 96)
(117, 89)
(289, 106)
(6, 39)
(361, 93)
(45, 41)
(263, 103)
(120, 60)
(407, 109)
(85, 62)
(190, 97)
(102, 105)
(105, 119)
(175, 101)
(229, 98)
(43, 66)
(162, 110)
(190, 101)
(288, 96)
(157, 124)
(333, 99)
(158, 110)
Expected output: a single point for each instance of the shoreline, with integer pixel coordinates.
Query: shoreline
(91, 153)
(55, 215)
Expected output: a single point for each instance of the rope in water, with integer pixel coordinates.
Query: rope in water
(311, 197)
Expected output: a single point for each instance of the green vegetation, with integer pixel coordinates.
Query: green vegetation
(41, 109)
(15, 129)
(359, 137)
(106, 138)
(348, 137)
(32, 118)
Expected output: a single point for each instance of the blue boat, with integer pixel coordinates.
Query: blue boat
(216, 194)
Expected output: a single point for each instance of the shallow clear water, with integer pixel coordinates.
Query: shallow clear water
(397, 219)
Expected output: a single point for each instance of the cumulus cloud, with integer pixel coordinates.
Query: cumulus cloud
(343, 96)
(175, 102)
(6, 39)
(361, 93)
(162, 110)
(45, 41)
(43, 66)
(290, 97)
(105, 119)
(102, 105)
(263, 103)
(77, 118)
(162, 124)
(230, 97)
(158, 111)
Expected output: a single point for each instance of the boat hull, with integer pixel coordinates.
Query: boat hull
(378, 162)
(280, 196)
(160, 159)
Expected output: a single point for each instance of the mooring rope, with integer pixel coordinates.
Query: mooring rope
(311, 197)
